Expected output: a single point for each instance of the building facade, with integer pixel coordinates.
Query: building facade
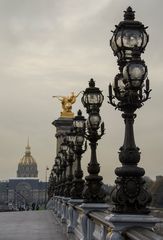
(26, 189)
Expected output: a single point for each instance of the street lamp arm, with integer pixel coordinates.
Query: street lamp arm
(146, 97)
(111, 101)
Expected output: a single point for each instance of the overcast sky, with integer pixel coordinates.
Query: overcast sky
(50, 47)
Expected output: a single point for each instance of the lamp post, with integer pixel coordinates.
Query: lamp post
(60, 170)
(92, 100)
(79, 129)
(64, 148)
(60, 182)
(70, 136)
(56, 165)
(50, 186)
(131, 90)
(54, 177)
(53, 182)
(46, 185)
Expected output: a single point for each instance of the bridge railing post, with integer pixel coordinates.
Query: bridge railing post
(103, 232)
(59, 208)
(72, 220)
(64, 217)
(55, 204)
(70, 227)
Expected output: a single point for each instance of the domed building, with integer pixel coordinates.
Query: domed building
(25, 189)
(27, 166)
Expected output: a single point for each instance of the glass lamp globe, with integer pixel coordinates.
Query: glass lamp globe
(135, 73)
(94, 121)
(70, 136)
(64, 146)
(57, 159)
(71, 150)
(79, 140)
(60, 154)
(119, 85)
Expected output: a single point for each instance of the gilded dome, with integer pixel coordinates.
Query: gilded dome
(27, 166)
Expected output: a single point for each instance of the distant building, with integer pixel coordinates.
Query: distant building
(26, 188)
(25, 191)
(157, 192)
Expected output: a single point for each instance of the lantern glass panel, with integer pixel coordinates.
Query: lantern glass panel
(120, 54)
(63, 158)
(70, 138)
(78, 123)
(94, 120)
(136, 71)
(85, 99)
(145, 39)
(88, 123)
(60, 154)
(67, 138)
(121, 85)
(101, 98)
(125, 72)
(57, 160)
(119, 38)
(113, 44)
(63, 147)
(71, 150)
(132, 38)
(93, 98)
(79, 140)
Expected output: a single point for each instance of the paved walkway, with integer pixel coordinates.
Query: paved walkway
(30, 225)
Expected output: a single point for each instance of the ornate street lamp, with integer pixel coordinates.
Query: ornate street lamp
(56, 165)
(79, 129)
(51, 179)
(127, 35)
(131, 89)
(60, 170)
(92, 97)
(50, 185)
(64, 148)
(92, 100)
(55, 173)
(70, 137)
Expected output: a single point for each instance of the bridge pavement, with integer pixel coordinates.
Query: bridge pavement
(30, 225)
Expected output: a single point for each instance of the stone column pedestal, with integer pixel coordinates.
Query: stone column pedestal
(62, 125)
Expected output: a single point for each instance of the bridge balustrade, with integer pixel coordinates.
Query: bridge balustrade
(93, 225)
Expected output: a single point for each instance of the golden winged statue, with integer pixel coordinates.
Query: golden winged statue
(67, 102)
